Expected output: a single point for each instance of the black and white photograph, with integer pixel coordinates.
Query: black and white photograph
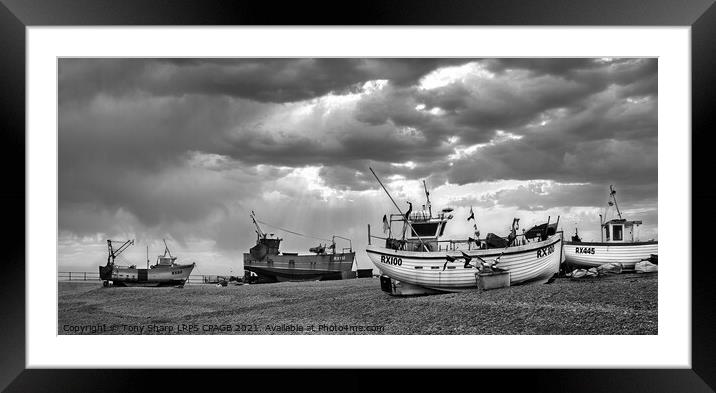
(357, 196)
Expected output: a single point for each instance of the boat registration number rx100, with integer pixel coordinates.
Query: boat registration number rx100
(543, 252)
(391, 260)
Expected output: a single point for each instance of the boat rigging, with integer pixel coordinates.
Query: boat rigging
(113, 254)
(407, 219)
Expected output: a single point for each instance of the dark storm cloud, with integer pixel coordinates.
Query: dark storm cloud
(387, 125)
(542, 195)
(547, 158)
(593, 72)
(264, 80)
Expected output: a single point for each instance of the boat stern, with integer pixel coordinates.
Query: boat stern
(105, 272)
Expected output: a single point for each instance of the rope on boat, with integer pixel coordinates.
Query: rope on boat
(295, 233)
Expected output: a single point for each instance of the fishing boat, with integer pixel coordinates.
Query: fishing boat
(619, 242)
(271, 265)
(165, 272)
(418, 261)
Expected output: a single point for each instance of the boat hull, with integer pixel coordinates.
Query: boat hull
(156, 276)
(595, 254)
(274, 268)
(532, 262)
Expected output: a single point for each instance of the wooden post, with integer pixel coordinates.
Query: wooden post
(70, 276)
(369, 234)
(85, 279)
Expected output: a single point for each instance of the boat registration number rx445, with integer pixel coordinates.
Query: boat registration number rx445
(543, 252)
(584, 250)
(391, 260)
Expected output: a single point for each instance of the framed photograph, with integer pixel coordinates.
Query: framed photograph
(468, 186)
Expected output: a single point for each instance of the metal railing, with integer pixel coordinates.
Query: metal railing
(94, 276)
(77, 276)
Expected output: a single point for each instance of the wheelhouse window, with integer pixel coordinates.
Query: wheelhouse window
(428, 229)
(606, 230)
(618, 231)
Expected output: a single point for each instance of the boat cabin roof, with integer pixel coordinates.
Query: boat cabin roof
(621, 221)
(425, 225)
(164, 260)
(431, 228)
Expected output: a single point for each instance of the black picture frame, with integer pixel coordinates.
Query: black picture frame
(16, 15)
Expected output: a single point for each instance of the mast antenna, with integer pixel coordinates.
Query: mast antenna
(613, 194)
(400, 211)
(427, 196)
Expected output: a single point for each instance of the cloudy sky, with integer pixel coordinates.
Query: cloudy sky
(184, 149)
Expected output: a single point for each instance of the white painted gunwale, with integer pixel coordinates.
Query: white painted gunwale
(627, 254)
(156, 274)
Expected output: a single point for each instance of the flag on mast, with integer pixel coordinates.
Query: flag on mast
(386, 225)
(472, 215)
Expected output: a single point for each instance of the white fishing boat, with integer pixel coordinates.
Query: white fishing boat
(619, 243)
(165, 272)
(419, 261)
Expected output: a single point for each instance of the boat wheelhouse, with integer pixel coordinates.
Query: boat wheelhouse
(620, 230)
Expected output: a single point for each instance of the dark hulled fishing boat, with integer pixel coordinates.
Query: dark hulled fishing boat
(271, 265)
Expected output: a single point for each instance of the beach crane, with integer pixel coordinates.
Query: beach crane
(113, 254)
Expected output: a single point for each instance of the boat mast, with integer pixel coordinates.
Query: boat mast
(613, 193)
(427, 196)
(399, 211)
(166, 249)
(147, 256)
(259, 232)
